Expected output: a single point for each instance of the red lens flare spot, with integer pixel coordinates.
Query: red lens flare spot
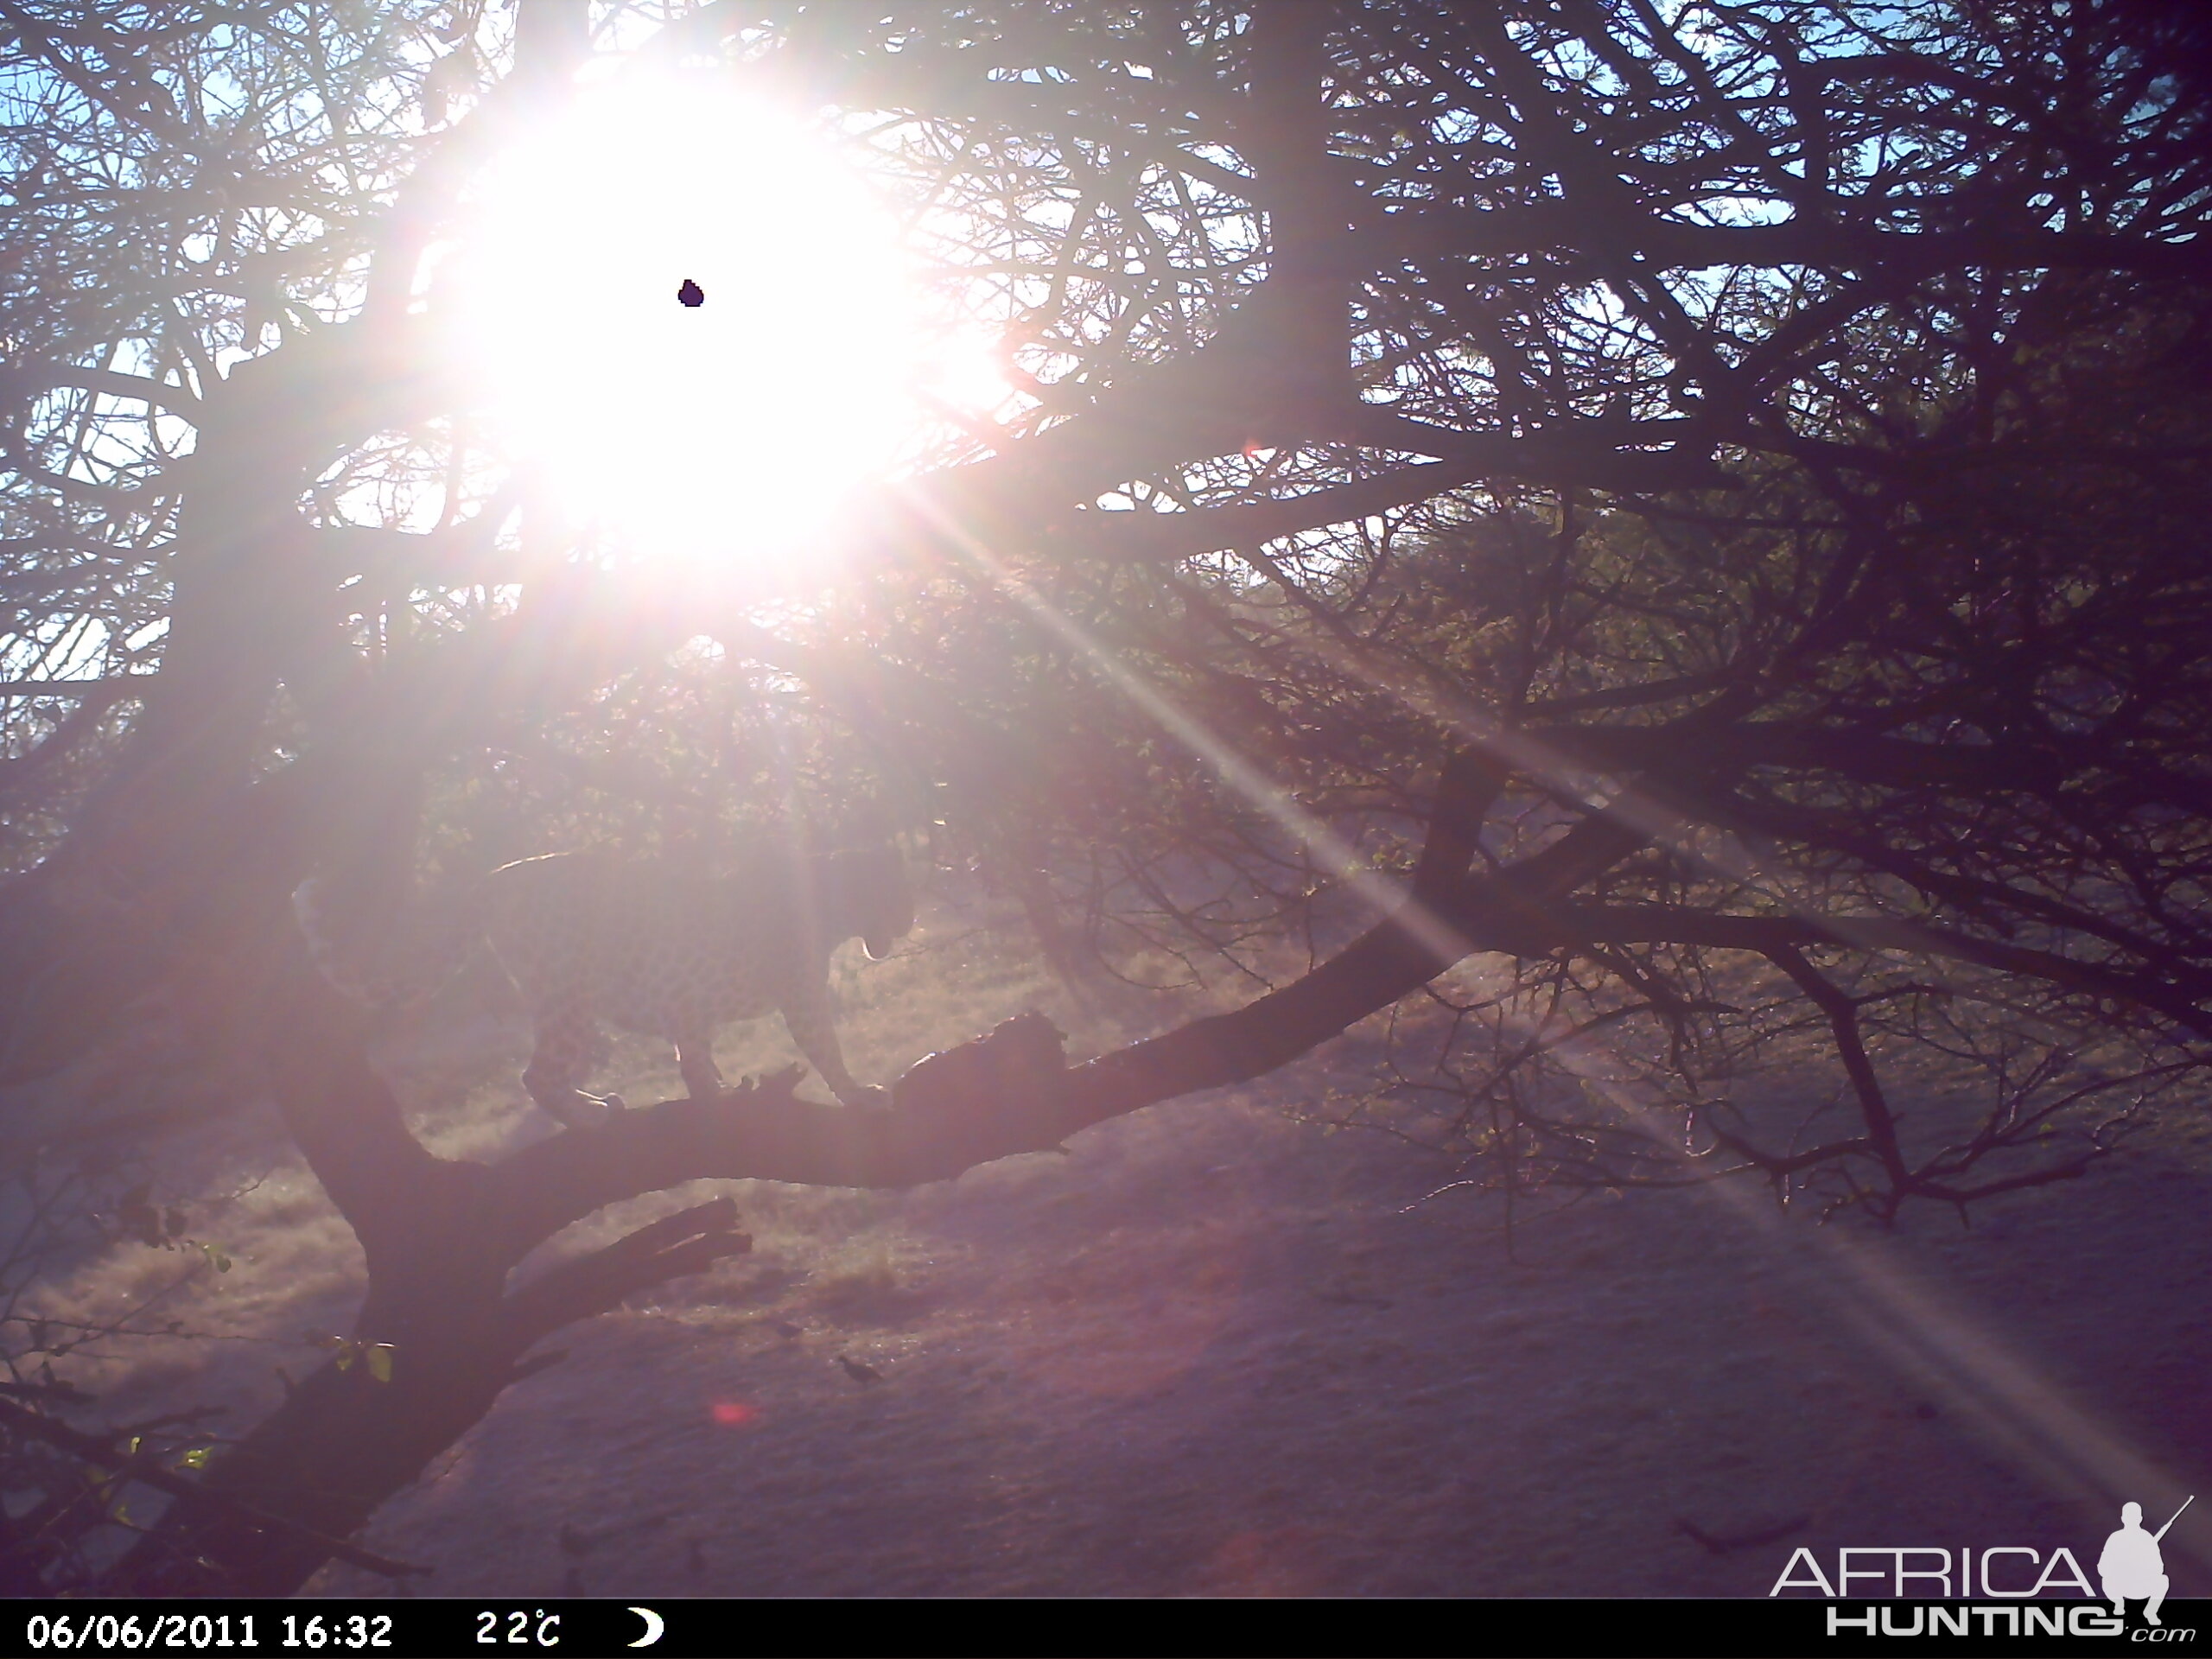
(732, 1413)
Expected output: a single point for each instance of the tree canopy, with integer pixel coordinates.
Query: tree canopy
(1636, 534)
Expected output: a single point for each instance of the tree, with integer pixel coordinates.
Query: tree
(1698, 507)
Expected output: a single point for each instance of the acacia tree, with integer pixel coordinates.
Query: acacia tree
(1694, 510)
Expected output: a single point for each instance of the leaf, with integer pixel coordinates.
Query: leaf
(378, 1355)
(196, 1457)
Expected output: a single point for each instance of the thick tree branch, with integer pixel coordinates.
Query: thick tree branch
(1030, 492)
(1593, 454)
(344, 1119)
(1284, 128)
(762, 1132)
(688, 1242)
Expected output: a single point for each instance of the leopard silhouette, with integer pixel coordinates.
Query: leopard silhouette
(646, 945)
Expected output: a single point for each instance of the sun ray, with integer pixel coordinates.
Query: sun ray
(1905, 1318)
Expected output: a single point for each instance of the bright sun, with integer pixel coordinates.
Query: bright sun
(726, 436)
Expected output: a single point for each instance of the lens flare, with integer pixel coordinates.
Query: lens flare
(724, 433)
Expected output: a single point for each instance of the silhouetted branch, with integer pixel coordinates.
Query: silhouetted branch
(688, 1242)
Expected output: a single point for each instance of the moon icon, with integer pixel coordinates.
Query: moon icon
(654, 1625)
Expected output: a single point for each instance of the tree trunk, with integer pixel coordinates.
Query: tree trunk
(442, 1332)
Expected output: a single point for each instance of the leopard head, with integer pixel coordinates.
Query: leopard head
(874, 897)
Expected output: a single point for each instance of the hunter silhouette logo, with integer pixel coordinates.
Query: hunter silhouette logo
(2132, 1565)
(1999, 1579)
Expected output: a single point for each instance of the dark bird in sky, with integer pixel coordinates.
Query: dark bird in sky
(861, 1373)
(691, 293)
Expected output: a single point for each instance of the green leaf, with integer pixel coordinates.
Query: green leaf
(378, 1355)
(194, 1458)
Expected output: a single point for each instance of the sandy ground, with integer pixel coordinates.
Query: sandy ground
(1213, 1352)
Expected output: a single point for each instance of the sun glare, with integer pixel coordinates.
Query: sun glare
(725, 435)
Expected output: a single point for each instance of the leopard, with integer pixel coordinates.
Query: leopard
(651, 946)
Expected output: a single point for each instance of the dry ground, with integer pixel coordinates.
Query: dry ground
(1214, 1350)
